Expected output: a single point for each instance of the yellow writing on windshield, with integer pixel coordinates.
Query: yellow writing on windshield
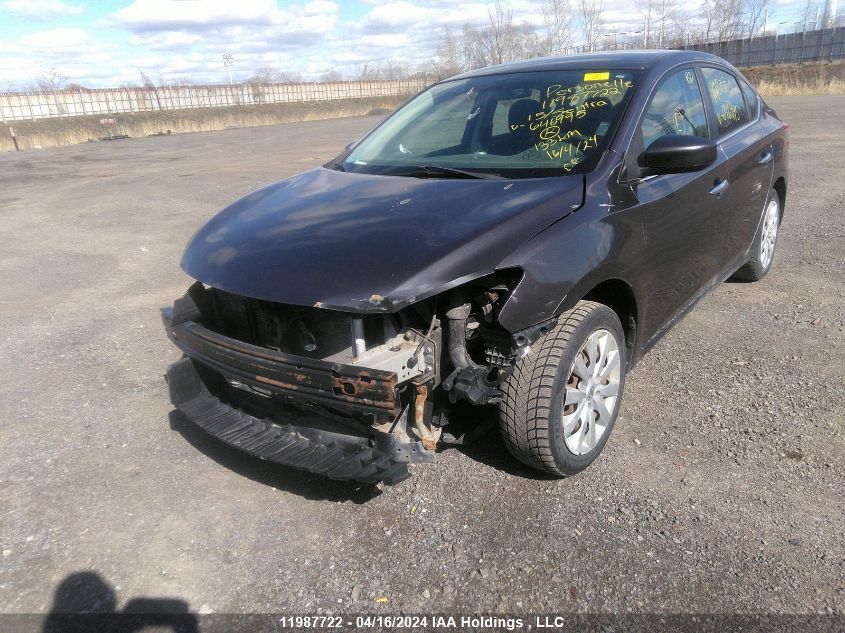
(568, 122)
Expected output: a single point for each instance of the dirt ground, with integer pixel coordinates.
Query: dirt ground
(721, 490)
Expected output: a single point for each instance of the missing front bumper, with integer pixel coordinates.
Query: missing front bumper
(293, 441)
(354, 388)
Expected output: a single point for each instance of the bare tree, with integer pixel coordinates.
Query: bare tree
(447, 58)
(664, 24)
(755, 15)
(501, 40)
(666, 13)
(270, 75)
(589, 19)
(473, 57)
(393, 69)
(646, 8)
(812, 11)
(51, 81)
(290, 77)
(721, 19)
(730, 27)
(684, 29)
(390, 69)
(331, 75)
(557, 17)
(709, 16)
(362, 72)
(495, 39)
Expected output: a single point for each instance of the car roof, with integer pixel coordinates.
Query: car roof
(613, 60)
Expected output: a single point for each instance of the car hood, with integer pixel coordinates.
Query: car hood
(367, 243)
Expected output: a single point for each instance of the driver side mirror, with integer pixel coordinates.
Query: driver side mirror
(677, 154)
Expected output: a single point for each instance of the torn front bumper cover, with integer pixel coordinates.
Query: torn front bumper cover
(301, 447)
(290, 437)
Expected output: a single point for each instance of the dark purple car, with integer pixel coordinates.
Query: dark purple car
(514, 238)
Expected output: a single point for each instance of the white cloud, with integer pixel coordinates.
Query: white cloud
(320, 7)
(61, 39)
(154, 15)
(188, 37)
(42, 9)
(402, 16)
(167, 40)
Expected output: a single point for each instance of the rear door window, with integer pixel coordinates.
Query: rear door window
(726, 96)
(676, 108)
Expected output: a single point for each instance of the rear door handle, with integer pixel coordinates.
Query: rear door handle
(765, 158)
(720, 187)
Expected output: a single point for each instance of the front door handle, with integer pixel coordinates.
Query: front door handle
(720, 187)
(766, 158)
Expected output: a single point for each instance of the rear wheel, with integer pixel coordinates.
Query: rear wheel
(561, 402)
(763, 249)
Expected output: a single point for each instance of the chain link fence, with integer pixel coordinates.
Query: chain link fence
(25, 106)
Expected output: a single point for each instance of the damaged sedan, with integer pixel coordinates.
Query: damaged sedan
(515, 239)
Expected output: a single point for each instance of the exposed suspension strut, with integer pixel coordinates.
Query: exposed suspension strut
(468, 380)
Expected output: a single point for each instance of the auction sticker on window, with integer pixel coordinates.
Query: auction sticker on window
(603, 76)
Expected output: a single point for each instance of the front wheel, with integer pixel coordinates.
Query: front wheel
(763, 249)
(561, 402)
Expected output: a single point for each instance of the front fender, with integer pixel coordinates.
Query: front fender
(571, 257)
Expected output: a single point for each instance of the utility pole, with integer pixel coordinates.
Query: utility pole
(228, 62)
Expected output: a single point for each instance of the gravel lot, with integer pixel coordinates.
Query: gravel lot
(721, 490)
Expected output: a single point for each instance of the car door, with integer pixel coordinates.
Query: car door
(680, 213)
(748, 153)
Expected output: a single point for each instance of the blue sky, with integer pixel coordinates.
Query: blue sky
(106, 43)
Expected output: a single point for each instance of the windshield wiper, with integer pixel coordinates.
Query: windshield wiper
(433, 171)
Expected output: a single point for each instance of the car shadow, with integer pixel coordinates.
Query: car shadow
(84, 602)
(484, 444)
(278, 476)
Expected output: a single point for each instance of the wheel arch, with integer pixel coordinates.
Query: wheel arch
(619, 296)
(780, 187)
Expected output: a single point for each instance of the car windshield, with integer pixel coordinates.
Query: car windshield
(517, 125)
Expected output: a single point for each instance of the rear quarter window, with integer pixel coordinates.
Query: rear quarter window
(727, 99)
(751, 99)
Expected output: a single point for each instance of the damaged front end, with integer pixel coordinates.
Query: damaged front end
(345, 395)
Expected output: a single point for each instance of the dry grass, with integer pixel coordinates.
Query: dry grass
(55, 132)
(777, 89)
(822, 78)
